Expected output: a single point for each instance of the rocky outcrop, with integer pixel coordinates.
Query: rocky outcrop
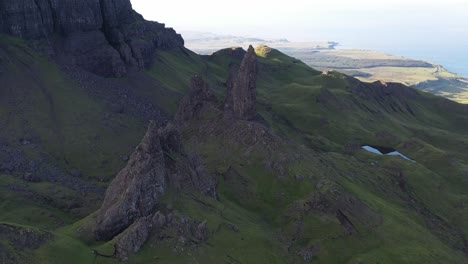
(137, 189)
(331, 199)
(309, 253)
(199, 100)
(180, 230)
(158, 163)
(161, 163)
(17, 243)
(381, 97)
(241, 96)
(20, 238)
(131, 241)
(103, 36)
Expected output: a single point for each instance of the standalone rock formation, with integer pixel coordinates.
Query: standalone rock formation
(103, 36)
(137, 189)
(158, 163)
(241, 88)
(200, 99)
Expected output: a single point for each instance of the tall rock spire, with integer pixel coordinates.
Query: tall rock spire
(242, 87)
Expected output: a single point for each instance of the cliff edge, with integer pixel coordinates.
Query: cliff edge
(105, 37)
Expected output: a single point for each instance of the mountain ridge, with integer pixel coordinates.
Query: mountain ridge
(366, 65)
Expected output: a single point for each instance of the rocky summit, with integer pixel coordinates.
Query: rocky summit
(105, 37)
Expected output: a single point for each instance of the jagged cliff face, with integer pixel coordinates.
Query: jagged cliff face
(104, 36)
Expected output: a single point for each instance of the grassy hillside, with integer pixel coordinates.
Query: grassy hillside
(370, 66)
(277, 198)
(365, 65)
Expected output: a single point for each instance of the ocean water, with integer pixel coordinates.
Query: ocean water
(451, 55)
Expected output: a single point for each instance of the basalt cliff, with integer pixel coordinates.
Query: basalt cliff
(105, 37)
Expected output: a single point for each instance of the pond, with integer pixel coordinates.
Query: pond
(385, 151)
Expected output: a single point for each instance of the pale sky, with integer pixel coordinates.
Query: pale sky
(307, 19)
(354, 23)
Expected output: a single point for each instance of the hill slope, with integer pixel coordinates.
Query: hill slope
(366, 65)
(293, 184)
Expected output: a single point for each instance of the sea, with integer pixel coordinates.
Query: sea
(452, 56)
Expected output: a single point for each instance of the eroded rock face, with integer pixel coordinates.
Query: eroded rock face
(180, 230)
(23, 238)
(199, 98)
(347, 209)
(113, 35)
(15, 239)
(131, 241)
(158, 163)
(241, 88)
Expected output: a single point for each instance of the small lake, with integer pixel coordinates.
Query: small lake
(385, 151)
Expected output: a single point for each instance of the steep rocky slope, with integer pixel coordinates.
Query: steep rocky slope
(102, 36)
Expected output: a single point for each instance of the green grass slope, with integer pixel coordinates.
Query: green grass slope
(370, 66)
(404, 212)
